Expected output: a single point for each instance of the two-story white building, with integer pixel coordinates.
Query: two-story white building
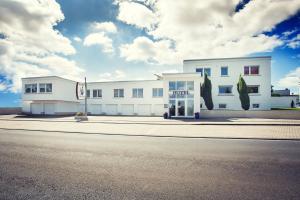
(177, 94)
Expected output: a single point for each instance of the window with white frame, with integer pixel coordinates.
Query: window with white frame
(157, 92)
(118, 93)
(88, 93)
(224, 71)
(137, 92)
(255, 105)
(97, 93)
(203, 70)
(251, 70)
(45, 87)
(222, 106)
(30, 88)
(225, 89)
(253, 89)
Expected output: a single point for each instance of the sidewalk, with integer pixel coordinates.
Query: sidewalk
(157, 127)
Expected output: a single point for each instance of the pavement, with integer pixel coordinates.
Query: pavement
(56, 165)
(157, 127)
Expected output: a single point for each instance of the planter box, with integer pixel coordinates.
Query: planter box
(81, 118)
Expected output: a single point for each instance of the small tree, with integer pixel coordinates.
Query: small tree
(243, 93)
(292, 104)
(206, 93)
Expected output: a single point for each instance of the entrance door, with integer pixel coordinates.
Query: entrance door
(180, 108)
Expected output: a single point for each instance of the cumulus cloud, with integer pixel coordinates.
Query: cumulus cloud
(294, 43)
(205, 29)
(291, 80)
(77, 39)
(99, 39)
(104, 26)
(116, 75)
(31, 44)
(136, 14)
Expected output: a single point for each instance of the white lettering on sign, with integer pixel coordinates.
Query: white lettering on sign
(181, 92)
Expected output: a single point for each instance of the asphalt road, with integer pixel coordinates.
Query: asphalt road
(40, 165)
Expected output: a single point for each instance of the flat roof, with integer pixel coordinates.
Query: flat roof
(48, 77)
(232, 58)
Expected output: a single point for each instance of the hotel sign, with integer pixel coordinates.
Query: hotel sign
(80, 90)
(181, 92)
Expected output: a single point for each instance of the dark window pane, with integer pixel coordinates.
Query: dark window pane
(34, 88)
(94, 93)
(207, 71)
(172, 85)
(224, 71)
(254, 70)
(48, 87)
(246, 70)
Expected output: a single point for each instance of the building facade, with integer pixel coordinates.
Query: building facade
(177, 94)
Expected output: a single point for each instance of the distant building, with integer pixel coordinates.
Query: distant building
(285, 92)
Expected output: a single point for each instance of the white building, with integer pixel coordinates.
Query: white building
(178, 94)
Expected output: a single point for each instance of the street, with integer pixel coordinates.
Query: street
(56, 165)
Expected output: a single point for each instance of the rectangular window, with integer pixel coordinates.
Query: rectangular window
(157, 92)
(88, 93)
(190, 85)
(224, 71)
(97, 93)
(251, 70)
(253, 89)
(181, 85)
(222, 106)
(207, 71)
(30, 88)
(172, 85)
(225, 89)
(137, 92)
(255, 105)
(49, 87)
(118, 93)
(200, 71)
(34, 88)
(42, 87)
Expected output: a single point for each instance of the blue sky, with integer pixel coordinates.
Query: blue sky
(121, 40)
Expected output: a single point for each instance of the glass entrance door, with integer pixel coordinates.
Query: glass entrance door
(180, 108)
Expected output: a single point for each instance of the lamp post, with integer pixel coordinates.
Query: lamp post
(85, 97)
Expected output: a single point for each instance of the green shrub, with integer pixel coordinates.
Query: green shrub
(243, 93)
(79, 114)
(206, 93)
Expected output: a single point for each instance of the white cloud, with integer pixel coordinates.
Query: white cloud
(116, 75)
(136, 14)
(291, 80)
(294, 43)
(31, 43)
(99, 39)
(77, 39)
(104, 27)
(205, 29)
(3, 86)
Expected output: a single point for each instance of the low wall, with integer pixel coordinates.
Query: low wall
(10, 111)
(266, 114)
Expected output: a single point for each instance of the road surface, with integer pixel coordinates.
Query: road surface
(41, 165)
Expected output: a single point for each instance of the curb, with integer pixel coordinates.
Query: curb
(157, 136)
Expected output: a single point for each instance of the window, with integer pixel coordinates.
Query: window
(137, 92)
(190, 85)
(199, 70)
(207, 71)
(118, 93)
(42, 87)
(251, 70)
(222, 106)
(157, 92)
(88, 93)
(225, 89)
(49, 87)
(172, 85)
(255, 105)
(97, 93)
(224, 71)
(181, 85)
(253, 89)
(30, 88)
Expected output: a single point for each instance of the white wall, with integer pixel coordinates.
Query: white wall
(283, 101)
(235, 68)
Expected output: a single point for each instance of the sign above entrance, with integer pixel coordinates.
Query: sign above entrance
(80, 91)
(180, 92)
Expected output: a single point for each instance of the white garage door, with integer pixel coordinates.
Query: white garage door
(95, 109)
(111, 109)
(49, 108)
(144, 109)
(127, 109)
(37, 108)
(158, 109)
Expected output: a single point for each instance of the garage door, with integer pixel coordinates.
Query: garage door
(158, 109)
(111, 109)
(49, 108)
(37, 108)
(127, 109)
(144, 109)
(95, 109)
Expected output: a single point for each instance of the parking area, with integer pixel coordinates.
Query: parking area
(159, 127)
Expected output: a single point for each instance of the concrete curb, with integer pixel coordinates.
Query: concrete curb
(175, 124)
(157, 136)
